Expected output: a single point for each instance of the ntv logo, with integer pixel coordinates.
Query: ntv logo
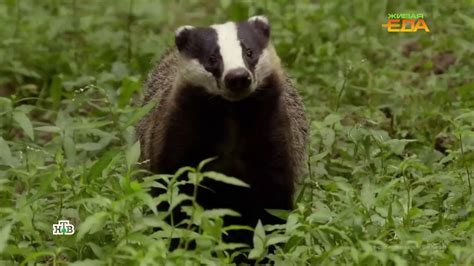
(63, 227)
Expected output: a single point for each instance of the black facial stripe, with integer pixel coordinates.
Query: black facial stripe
(201, 44)
(253, 38)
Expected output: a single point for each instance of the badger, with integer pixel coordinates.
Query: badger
(223, 93)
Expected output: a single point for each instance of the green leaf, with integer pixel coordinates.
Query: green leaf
(258, 250)
(282, 214)
(204, 162)
(98, 251)
(321, 216)
(50, 129)
(87, 262)
(120, 70)
(92, 224)
(177, 199)
(390, 220)
(273, 240)
(5, 153)
(69, 146)
(467, 19)
(129, 86)
(24, 123)
(104, 161)
(55, 90)
(6, 105)
(133, 154)
(214, 213)
(331, 119)
(328, 135)
(399, 261)
(367, 195)
(4, 235)
(397, 146)
(320, 156)
(466, 116)
(138, 114)
(225, 179)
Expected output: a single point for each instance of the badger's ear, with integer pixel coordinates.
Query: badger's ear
(182, 37)
(261, 24)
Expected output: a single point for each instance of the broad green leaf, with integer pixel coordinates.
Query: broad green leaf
(273, 240)
(328, 135)
(367, 195)
(399, 261)
(90, 125)
(120, 70)
(24, 123)
(282, 214)
(105, 139)
(55, 90)
(6, 104)
(138, 114)
(4, 235)
(98, 251)
(466, 116)
(104, 161)
(220, 213)
(258, 250)
(133, 154)
(51, 129)
(129, 86)
(467, 19)
(225, 179)
(397, 146)
(320, 216)
(320, 156)
(5, 153)
(332, 119)
(89, 146)
(92, 224)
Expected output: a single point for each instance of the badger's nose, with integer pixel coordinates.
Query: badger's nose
(237, 80)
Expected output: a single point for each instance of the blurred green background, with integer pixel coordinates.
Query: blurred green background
(392, 129)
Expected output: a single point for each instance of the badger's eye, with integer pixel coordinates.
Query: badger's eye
(248, 52)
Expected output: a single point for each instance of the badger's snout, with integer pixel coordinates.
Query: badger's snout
(237, 80)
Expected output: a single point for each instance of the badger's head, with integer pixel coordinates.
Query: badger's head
(231, 60)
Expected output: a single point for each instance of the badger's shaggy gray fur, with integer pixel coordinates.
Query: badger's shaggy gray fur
(259, 133)
(159, 85)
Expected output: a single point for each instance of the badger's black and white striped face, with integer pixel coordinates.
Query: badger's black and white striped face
(230, 60)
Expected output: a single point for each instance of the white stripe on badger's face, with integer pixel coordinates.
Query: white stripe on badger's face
(229, 45)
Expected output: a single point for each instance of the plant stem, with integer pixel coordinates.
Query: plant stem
(468, 172)
(339, 96)
(129, 31)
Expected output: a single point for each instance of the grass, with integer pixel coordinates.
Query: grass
(390, 174)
